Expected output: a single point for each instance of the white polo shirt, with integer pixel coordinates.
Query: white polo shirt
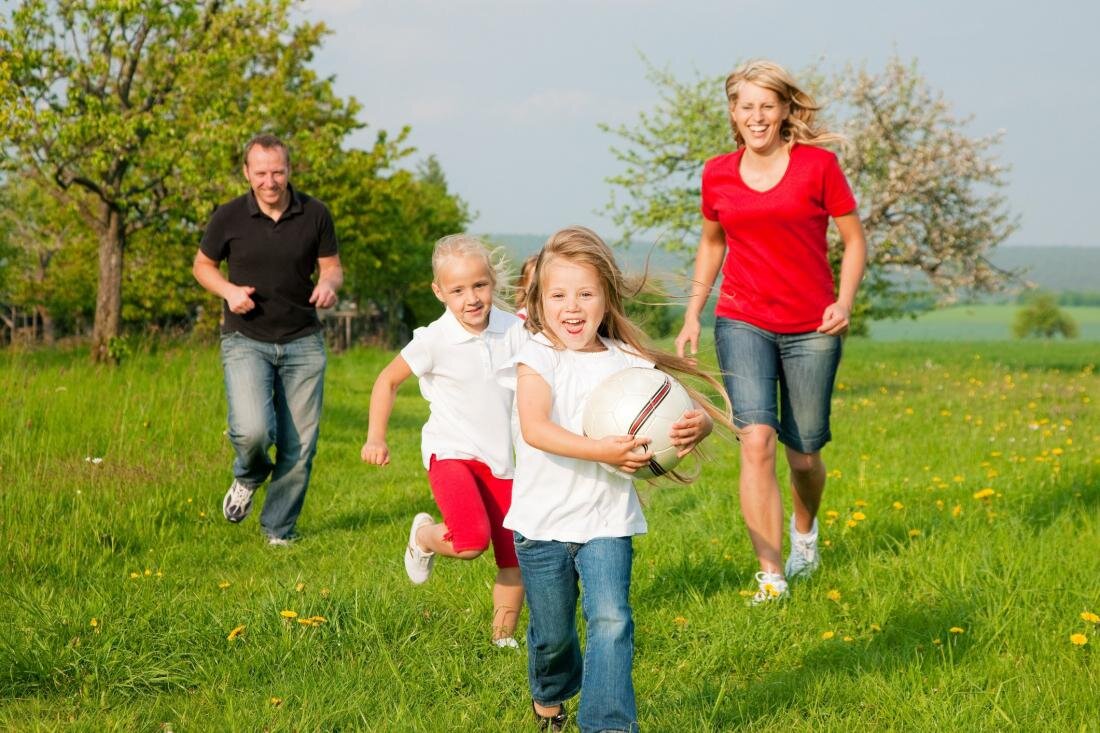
(471, 412)
(567, 499)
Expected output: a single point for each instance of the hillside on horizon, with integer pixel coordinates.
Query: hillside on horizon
(1055, 268)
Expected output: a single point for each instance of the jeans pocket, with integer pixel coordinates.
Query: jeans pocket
(521, 542)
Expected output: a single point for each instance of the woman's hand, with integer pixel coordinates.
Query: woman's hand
(689, 430)
(834, 321)
(689, 337)
(625, 452)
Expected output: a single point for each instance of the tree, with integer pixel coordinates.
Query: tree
(929, 194)
(1042, 318)
(128, 107)
(388, 219)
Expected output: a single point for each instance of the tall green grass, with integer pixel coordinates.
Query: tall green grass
(137, 543)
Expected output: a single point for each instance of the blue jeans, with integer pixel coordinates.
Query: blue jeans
(803, 366)
(274, 393)
(555, 669)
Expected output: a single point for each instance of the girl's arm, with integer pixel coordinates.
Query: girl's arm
(382, 396)
(834, 321)
(690, 429)
(534, 401)
(708, 261)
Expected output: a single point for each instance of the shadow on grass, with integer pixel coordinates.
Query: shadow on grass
(1045, 508)
(906, 640)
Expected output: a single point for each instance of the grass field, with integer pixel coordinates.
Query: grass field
(982, 322)
(961, 550)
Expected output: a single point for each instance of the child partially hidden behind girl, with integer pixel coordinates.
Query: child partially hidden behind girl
(467, 441)
(573, 519)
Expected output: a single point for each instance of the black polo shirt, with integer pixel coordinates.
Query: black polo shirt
(275, 257)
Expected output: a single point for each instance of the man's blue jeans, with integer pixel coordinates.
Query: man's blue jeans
(274, 393)
(555, 669)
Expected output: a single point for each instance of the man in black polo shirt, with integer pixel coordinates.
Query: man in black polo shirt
(272, 350)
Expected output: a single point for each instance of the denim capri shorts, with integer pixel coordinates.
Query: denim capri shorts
(754, 362)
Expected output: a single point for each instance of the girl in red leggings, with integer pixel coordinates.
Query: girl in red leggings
(467, 442)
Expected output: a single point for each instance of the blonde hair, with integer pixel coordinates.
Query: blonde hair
(582, 246)
(800, 125)
(467, 245)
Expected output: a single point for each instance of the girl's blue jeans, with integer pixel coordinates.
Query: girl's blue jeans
(556, 668)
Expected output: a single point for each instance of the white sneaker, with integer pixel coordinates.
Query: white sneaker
(237, 502)
(506, 642)
(772, 587)
(418, 563)
(804, 558)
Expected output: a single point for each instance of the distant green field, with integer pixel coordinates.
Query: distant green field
(975, 323)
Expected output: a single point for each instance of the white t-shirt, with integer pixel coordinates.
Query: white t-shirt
(568, 499)
(471, 412)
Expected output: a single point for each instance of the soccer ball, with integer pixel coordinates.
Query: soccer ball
(643, 402)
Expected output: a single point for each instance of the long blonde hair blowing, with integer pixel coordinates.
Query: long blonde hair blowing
(800, 125)
(582, 246)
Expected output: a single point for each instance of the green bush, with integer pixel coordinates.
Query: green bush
(1044, 319)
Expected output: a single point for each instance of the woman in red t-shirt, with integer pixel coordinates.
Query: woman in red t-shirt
(766, 208)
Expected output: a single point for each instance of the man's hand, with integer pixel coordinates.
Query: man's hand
(239, 299)
(323, 296)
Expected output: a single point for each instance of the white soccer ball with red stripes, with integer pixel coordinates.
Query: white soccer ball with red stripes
(643, 402)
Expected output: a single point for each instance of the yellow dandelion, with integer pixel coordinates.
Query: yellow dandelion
(914, 533)
(1078, 639)
(680, 621)
(318, 620)
(860, 503)
(276, 701)
(936, 642)
(832, 514)
(235, 632)
(135, 575)
(984, 493)
(94, 623)
(305, 622)
(828, 634)
(828, 543)
(1091, 617)
(957, 511)
(202, 515)
(858, 516)
(908, 410)
(744, 593)
(939, 503)
(852, 523)
(224, 584)
(148, 572)
(833, 595)
(298, 588)
(898, 505)
(876, 627)
(288, 614)
(957, 630)
(159, 574)
(325, 592)
(957, 479)
(847, 638)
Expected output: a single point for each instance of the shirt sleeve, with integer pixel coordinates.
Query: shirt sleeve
(417, 353)
(214, 240)
(326, 236)
(706, 194)
(839, 199)
(541, 358)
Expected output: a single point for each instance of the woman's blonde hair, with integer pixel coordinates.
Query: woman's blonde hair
(582, 246)
(800, 125)
(467, 245)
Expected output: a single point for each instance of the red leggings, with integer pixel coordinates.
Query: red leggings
(473, 503)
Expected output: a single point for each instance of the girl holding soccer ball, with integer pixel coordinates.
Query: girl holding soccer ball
(573, 519)
(467, 442)
(766, 207)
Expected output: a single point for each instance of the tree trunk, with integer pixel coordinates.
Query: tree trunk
(49, 332)
(108, 302)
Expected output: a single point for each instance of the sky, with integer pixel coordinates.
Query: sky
(508, 94)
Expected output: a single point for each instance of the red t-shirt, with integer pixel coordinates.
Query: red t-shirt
(776, 275)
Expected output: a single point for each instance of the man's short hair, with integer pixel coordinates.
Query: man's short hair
(266, 141)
